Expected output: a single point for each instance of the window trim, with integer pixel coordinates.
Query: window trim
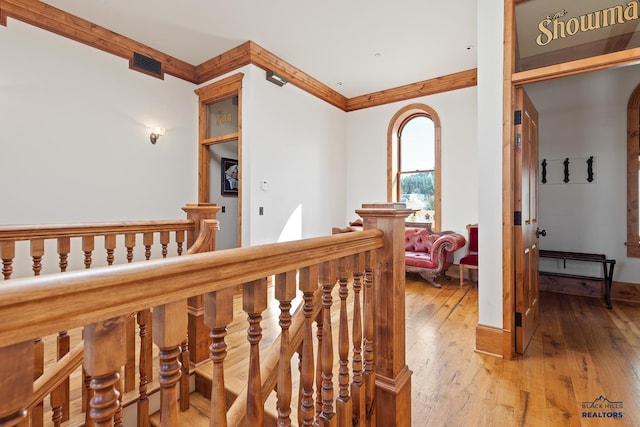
(395, 125)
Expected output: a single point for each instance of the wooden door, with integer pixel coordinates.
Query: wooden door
(527, 295)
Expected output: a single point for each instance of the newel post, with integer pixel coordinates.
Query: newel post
(198, 333)
(392, 375)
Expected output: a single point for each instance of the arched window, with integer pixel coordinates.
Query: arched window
(413, 162)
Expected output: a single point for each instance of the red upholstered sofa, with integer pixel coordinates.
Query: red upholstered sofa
(430, 253)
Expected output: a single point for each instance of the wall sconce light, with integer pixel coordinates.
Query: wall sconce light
(155, 134)
(276, 79)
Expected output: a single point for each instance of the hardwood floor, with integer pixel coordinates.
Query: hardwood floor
(580, 352)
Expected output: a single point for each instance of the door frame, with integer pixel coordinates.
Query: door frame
(511, 80)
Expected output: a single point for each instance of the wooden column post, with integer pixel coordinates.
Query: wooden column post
(393, 377)
(198, 333)
(16, 382)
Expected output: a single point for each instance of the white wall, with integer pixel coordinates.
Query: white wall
(296, 143)
(366, 176)
(74, 143)
(582, 116)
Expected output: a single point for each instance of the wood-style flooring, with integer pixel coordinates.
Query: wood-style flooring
(583, 362)
(580, 355)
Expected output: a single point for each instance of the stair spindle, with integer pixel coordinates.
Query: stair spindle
(327, 280)
(37, 252)
(285, 292)
(369, 366)
(218, 315)
(164, 241)
(64, 247)
(110, 246)
(308, 285)
(145, 365)
(357, 385)
(254, 302)
(147, 241)
(87, 249)
(169, 331)
(8, 253)
(102, 361)
(179, 241)
(343, 402)
(130, 243)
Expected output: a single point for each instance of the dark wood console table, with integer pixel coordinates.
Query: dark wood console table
(607, 267)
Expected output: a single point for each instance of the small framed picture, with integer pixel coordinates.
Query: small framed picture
(229, 169)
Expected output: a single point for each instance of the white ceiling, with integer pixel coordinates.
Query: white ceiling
(366, 45)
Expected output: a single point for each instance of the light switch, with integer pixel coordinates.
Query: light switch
(264, 185)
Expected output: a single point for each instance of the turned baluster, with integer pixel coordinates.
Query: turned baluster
(130, 354)
(147, 241)
(16, 383)
(60, 397)
(319, 335)
(327, 281)
(343, 402)
(285, 292)
(369, 365)
(169, 330)
(254, 302)
(185, 377)
(37, 252)
(308, 286)
(37, 413)
(8, 253)
(218, 314)
(130, 243)
(87, 248)
(179, 241)
(60, 403)
(357, 386)
(164, 241)
(110, 246)
(64, 247)
(145, 367)
(103, 358)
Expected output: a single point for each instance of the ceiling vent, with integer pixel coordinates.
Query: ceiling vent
(146, 65)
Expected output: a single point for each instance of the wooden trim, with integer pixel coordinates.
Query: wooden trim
(633, 163)
(108, 292)
(595, 63)
(266, 60)
(51, 19)
(57, 21)
(446, 83)
(489, 340)
(225, 63)
(508, 153)
(392, 153)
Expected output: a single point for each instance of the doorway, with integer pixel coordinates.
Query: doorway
(220, 154)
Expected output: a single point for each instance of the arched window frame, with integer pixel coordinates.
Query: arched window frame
(633, 164)
(393, 154)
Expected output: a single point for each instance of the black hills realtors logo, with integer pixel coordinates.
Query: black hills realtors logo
(602, 407)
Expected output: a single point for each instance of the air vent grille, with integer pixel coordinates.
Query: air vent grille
(146, 64)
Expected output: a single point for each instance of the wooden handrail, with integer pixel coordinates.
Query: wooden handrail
(33, 307)
(56, 375)
(54, 231)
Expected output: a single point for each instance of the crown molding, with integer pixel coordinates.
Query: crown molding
(57, 21)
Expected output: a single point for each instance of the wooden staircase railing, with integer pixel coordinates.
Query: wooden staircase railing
(199, 231)
(101, 299)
